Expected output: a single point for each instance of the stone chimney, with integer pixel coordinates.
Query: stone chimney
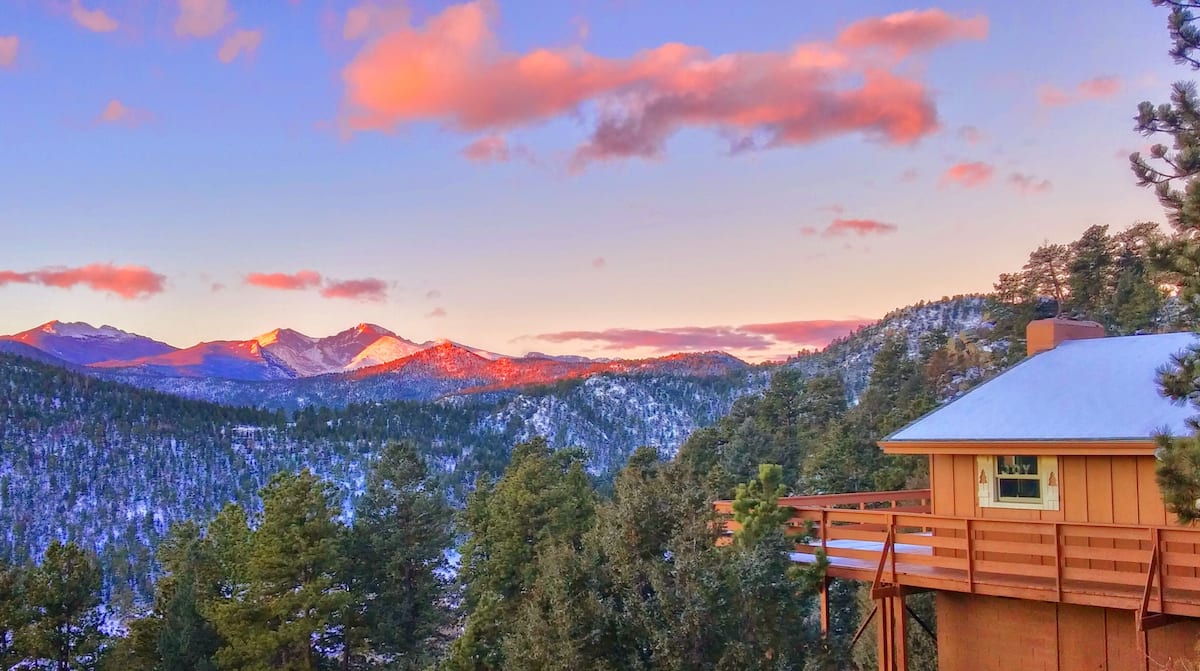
(1044, 334)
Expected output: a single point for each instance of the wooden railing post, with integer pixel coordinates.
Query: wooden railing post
(1158, 566)
(1058, 562)
(970, 558)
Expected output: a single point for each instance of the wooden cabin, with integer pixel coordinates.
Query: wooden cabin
(1043, 533)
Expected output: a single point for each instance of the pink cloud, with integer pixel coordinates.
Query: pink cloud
(128, 282)
(95, 20)
(1092, 89)
(436, 313)
(369, 289)
(1029, 183)
(358, 20)
(599, 263)
(453, 70)
(202, 18)
(241, 42)
(755, 337)
(487, 149)
(1099, 87)
(117, 112)
(217, 286)
(816, 332)
(433, 294)
(969, 175)
(843, 227)
(305, 279)
(665, 340)
(8, 50)
(1052, 96)
(913, 30)
(859, 227)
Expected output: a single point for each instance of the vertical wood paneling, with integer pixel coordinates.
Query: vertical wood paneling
(1072, 497)
(942, 484)
(966, 497)
(1125, 503)
(1081, 641)
(1151, 509)
(1100, 501)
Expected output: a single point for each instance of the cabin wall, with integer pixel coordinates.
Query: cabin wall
(1092, 489)
(997, 634)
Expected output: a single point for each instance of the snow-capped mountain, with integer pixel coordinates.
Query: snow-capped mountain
(244, 360)
(289, 369)
(83, 344)
(360, 347)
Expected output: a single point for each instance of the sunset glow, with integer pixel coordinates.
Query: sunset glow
(595, 178)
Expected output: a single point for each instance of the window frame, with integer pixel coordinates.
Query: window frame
(1035, 476)
(987, 486)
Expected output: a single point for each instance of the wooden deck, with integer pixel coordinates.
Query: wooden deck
(890, 540)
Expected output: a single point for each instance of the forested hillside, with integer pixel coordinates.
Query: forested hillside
(111, 466)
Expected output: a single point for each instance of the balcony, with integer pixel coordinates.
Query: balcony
(892, 541)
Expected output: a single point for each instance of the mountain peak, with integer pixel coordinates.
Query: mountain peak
(281, 335)
(373, 329)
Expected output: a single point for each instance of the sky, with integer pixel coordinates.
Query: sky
(598, 177)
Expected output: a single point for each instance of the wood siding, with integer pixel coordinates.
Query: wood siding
(997, 634)
(1092, 489)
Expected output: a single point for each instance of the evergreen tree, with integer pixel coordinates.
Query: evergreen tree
(63, 598)
(1047, 273)
(396, 549)
(756, 508)
(12, 614)
(1091, 274)
(542, 498)
(289, 600)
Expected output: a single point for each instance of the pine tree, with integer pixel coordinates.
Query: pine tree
(542, 498)
(63, 597)
(12, 614)
(1047, 273)
(396, 549)
(288, 600)
(1091, 275)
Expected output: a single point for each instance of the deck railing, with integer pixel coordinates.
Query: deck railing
(889, 539)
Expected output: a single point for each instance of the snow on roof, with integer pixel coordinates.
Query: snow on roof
(1099, 389)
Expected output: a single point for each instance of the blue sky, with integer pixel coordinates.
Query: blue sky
(208, 171)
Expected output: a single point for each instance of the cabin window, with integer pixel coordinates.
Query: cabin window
(1018, 480)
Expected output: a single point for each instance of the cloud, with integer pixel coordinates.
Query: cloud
(754, 337)
(358, 20)
(305, 279)
(8, 50)
(95, 20)
(1096, 88)
(202, 18)
(369, 289)
(241, 42)
(843, 227)
(128, 282)
(599, 263)
(487, 149)
(117, 112)
(667, 339)
(453, 70)
(913, 30)
(971, 135)
(1028, 183)
(433, 294)
(217, 286)
(436, 313)
(859, 227)
(815, 332)
(969, 175)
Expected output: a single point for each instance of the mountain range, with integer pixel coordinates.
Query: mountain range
(288, 369)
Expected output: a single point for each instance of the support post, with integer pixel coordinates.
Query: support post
(825, 608)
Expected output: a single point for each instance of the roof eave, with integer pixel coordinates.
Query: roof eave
(1068, 446)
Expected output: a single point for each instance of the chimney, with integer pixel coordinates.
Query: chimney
(1044, 334)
